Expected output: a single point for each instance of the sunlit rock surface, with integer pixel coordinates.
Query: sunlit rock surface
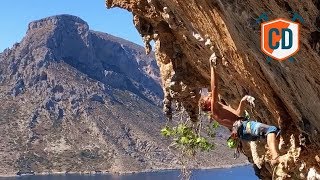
(287, 93)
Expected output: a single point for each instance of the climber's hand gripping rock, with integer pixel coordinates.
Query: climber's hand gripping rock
(249, 99)
(213, 60)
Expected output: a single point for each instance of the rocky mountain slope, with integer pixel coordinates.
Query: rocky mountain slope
(186, 33)
(76, 100)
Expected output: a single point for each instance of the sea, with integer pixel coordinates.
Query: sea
(235, 173)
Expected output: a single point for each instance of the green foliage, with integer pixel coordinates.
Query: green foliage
(215, 124)
(232, 143)
(188, 139)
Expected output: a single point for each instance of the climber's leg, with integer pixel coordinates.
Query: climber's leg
(273, 145)
(272, 133)
(253, 131)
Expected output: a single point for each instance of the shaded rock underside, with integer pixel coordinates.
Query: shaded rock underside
(287, 93)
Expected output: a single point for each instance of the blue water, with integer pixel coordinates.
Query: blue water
(242, 173)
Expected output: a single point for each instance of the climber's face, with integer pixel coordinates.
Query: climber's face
(205, 103)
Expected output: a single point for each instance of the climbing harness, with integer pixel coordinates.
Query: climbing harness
(234, 140)
(237, 151)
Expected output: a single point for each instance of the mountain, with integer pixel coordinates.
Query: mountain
(76, 100)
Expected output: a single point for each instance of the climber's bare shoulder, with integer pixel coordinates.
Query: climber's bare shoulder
(225, 115)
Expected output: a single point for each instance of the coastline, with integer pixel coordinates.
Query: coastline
(120, 172)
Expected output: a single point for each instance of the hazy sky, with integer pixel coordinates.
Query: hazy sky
(15, 16)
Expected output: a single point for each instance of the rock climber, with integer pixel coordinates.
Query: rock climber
(241, 128)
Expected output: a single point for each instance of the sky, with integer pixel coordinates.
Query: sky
(16, 15)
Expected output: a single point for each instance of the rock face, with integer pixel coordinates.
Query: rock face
(186, 33)
(70, 40)
(75, 100)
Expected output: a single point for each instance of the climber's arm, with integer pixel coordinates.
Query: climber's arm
(226, 123)
(214, 83)
(241, 106)
(244, 101)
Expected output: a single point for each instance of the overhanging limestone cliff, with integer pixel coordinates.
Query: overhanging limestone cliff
(186, 33)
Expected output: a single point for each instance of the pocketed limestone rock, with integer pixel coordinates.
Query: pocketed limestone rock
(287, 93)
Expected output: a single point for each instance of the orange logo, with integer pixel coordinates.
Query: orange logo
(280, 38)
